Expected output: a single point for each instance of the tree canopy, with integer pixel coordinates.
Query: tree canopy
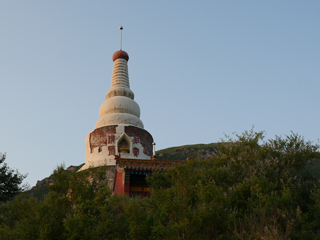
(10, 180)
(250, 189)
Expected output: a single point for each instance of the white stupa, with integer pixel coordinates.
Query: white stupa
(119, 129)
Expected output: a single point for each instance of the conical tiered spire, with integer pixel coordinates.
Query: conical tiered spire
(119, 107)
(120, 78)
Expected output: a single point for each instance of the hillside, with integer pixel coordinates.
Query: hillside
(199, 151)
(195, 151)
(40, 190)
(274, 181)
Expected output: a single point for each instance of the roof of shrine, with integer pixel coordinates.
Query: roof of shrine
(145, 165)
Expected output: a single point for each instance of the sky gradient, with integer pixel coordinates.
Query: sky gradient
(199, 70)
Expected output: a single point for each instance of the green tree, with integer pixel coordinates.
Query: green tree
(71, 210)
(10, 180)
(250, 190)
(20, 219)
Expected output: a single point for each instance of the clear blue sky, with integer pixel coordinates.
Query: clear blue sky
(199, 69)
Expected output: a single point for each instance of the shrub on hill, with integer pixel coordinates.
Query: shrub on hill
(248, 190)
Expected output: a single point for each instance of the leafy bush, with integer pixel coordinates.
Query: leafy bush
(250, 189)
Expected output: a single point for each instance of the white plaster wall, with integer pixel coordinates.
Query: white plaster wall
(102, 158)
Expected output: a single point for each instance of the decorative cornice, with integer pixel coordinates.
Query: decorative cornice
(141, 164)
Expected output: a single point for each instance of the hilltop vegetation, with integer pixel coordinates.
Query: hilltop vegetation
(246, 191)
(196, 151)
(41, 190)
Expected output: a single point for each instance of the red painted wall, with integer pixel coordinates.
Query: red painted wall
(119, 186)
(127, 188)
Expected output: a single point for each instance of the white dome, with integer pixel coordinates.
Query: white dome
(119, 118)
(119, 104)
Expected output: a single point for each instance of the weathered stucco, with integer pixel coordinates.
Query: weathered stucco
(103, 143)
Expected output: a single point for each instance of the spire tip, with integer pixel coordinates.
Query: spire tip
(120, 37)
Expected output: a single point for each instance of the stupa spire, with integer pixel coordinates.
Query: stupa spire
(119, 129)
(119, 107)
(120, 78)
